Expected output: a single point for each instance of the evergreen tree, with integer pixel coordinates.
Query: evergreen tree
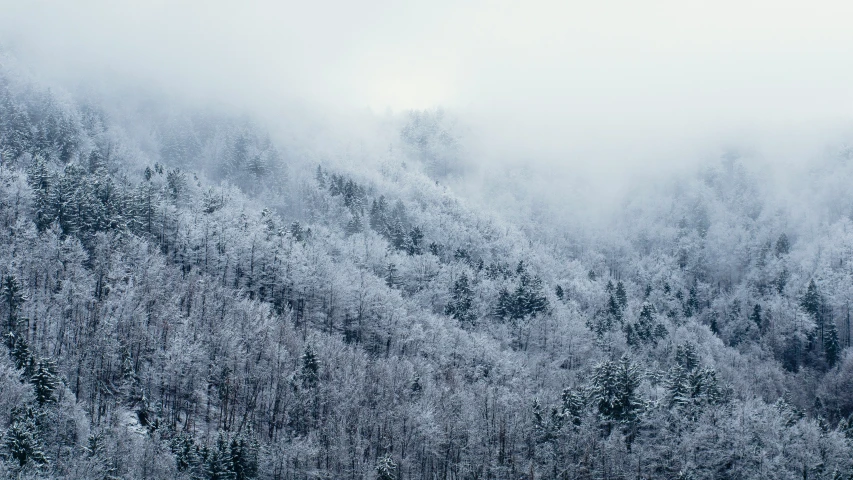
(378, 220)
(320, 176)
(244, 457)
(691, 306)
(755, 316)
(40, 180)
(21, 354)
(686, 356)
(645, 330)
(559, 292)
(218, 465)
(783, 246)
(63, 199)
(185, 451)
(392, 278)
(310, 373)
(45, 381)
(573, 405)
(781, 281)
(534, 299)
(614, 311)
(614, 390)
(831, 345)
(13, 298)
(414, 241)
(386, 469)
(621, 296)
(527, 300)
(461, 301)
(355, 225)
(506, 305)
(22, 443)
(811, 301)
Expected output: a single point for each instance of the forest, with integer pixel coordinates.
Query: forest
(185, 294)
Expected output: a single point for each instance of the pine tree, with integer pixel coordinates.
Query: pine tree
(831, 345)
(691, 306)
(378, 220)
(45, 381)
(386, 468)
(506, 305)
(811, 300)
(185, 451)
(559, 292)
(645, 329)
(22, 443)
(176, 182)
(783, 246)
(244, 457)
(40, 180)
(461, 301)
(572, 406)
(535, 299)
(614, 390)
(310, 373)
(756, 315)
(621, 296)
(392, 279)
(355, 225)
(686, 356)
(13, 298)
(218, 465)
(614, 311)
(21, 355)
(414, 242)
(527, 300)
(320, 176)
(63, 201)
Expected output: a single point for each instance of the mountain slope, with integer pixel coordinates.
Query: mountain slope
(200, 302)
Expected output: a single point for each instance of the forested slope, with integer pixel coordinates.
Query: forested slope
(198, 301)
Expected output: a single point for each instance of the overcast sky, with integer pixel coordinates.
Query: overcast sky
(544, 79)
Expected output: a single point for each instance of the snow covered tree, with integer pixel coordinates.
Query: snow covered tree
(614, 390)
(244, 457)
(392, 276)
(783, 246)
(21, 443)
(461, 302)
(386, 469)
(310, 373)
(621, 296)
(755, 316)
(646, 329)
(45, 382)
(831, 345)
(218, 465)
(13, 297)
(572, 405)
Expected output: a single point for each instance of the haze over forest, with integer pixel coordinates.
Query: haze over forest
(452, 240)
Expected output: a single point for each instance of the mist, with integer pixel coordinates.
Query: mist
(594, 96)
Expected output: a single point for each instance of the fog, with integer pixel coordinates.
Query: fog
(591, 91)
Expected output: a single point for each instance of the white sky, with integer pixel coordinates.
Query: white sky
(543, 78)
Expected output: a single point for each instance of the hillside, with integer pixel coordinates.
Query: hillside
(186, 296)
